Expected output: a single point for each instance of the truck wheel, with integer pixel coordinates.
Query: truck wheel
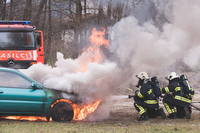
(62, 111)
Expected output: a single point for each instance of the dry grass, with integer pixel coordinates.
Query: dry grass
(123, 125)
(122, 120)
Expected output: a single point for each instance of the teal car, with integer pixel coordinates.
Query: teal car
(22, 96)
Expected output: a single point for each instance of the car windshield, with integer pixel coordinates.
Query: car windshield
(17, 40)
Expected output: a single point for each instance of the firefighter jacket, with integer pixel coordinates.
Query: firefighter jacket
(176, 90)
(146, 94)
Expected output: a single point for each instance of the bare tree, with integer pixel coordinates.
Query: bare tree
(27, 10)
(85, 3)
(44, 18)
(100, 14)
(49, 31)
(109, 9)
(39, 12)
(70, 7)
(78, 19)
(118, 11)
(57, 17)
(11, 8)
(3, 10)
(1, 6)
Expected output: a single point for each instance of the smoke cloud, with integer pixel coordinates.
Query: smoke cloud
(144, 47)
(152, 44)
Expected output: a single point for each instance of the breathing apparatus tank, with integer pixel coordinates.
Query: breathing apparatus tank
(185, 84)
(156, 87)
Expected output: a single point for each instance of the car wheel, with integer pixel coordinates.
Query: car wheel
(62, 111)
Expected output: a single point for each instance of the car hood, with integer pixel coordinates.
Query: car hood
(64, 95)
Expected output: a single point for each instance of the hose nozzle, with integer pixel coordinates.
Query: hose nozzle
(130, 96)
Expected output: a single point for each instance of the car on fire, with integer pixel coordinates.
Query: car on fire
(22, 96)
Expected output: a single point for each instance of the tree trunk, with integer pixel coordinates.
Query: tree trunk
(109, 9)
(70, 6)
(100, 15)
(3, 10)
(85, 10)
(39, 12)
(25, 16)
(1, 6)
(119, 11)
(11, 10)
(60, 24)
(78, 12)
(49, 34)
(77, 27)
(44, 18)
(29, 9)
(85, 13)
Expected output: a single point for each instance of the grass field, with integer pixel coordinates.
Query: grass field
(108, 126)
(122, 119)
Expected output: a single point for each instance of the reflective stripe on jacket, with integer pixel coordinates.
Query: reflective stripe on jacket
(182, 99)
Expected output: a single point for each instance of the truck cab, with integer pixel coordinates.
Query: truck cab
(21, 45)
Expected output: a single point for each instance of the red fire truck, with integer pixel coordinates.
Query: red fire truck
(21, 45)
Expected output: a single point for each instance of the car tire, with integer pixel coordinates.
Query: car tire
(62, 111)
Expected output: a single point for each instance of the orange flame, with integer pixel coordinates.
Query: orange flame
(97, 39)
(80, 112)
(27, 118)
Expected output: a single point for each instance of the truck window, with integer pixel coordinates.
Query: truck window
(38, 39)
(16, 40)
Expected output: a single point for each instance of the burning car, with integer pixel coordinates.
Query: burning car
(22, 96)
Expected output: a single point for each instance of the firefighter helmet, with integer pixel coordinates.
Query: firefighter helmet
(172, 75)
(142, 75)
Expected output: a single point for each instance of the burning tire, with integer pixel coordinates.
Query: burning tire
(62, 111)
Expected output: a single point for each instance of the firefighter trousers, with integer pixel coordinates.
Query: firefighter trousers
(151, 110)
(171, 102)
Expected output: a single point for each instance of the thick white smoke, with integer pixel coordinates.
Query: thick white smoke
(74, 76)
(146, 48)
(136, 47)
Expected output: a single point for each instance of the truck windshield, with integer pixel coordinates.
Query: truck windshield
(17, 41)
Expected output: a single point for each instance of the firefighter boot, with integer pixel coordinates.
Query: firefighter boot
(187, 113)
(143, 117)
(161, 113)
(172, 116)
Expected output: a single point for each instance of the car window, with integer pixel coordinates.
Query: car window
(9, 79)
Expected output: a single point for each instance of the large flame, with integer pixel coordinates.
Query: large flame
(80, 112)
(93, 54)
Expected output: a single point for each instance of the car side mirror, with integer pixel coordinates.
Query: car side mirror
(34, 86)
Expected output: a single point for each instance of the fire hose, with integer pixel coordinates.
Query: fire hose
(197, 108)
(130, 96)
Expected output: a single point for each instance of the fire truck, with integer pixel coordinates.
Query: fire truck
(21, 45)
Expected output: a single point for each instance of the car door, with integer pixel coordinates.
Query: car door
(17, 96)
(39, 44)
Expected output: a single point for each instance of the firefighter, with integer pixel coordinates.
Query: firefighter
(145, 101)
(174, 97)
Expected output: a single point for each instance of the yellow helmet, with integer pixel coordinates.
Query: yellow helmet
(143, 75)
